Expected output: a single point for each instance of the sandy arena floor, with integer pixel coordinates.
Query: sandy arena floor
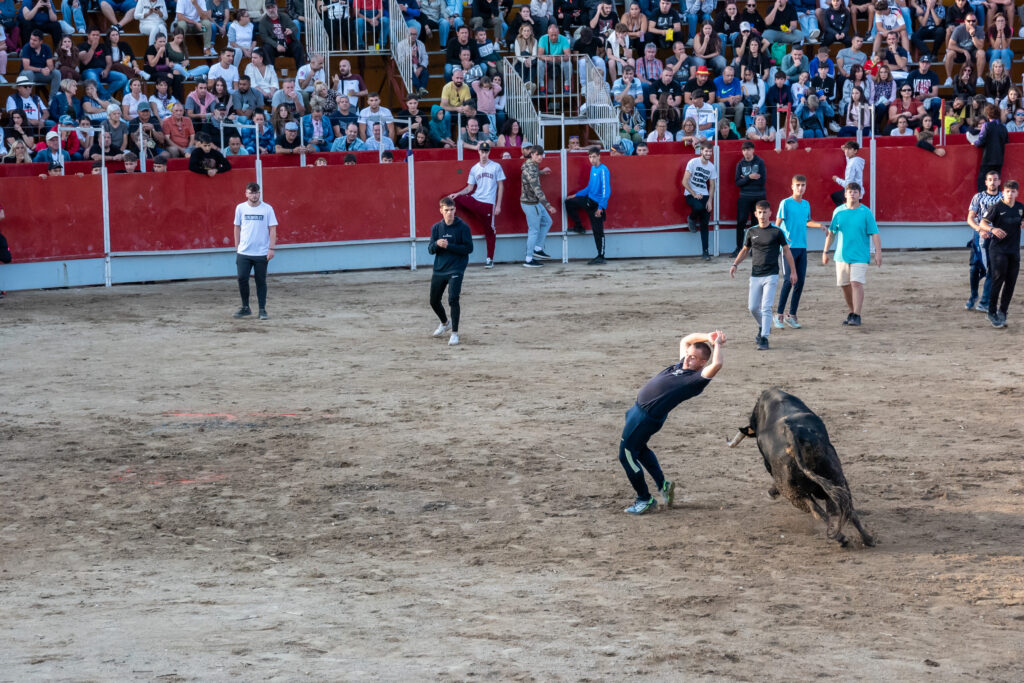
(335, 495)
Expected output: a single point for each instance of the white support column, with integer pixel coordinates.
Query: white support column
(565, 192)
(106, 222)
(412, 208)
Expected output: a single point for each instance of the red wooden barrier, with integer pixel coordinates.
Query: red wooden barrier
(54, 218)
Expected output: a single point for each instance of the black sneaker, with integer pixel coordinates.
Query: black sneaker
(691, 224)
(735, 253)
(762, 344)
(854, 320)
(532, 264)
(578, 229)
(243, 311)
(849, 317)
(1002, 318)
(597, 261)
(542, 255)
(263, 314)
(706, 256)
(996, 320)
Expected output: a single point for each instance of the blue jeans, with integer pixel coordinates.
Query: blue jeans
(800, 261)
(380, 32)
(1005, 55)
(443, 28)
(979, 9)
(74, 14)
(116, 79)
(538, 222)
(691, 21)
(421, 80)
(808, 22)
(983, 257)
(814, 133)
(635, 455)
(194, 74)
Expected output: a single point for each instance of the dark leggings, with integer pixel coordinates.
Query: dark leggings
(699, 211)
(635, 455)
(744, 217)
(258, 265)
(1005, 267)
(800, 261)
(437, 284)
(576, 204)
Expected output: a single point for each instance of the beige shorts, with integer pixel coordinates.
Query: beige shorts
(851, 272)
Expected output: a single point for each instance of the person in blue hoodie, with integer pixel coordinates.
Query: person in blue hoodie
(451, 243)
(593, 199)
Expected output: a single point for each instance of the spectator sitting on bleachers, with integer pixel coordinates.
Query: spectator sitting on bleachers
(288, 141)
(680, 65)
(262, 136)
(628, 85)
(245, 99)
(966, 45)
(180, 132)
(131, 99)
(347, 83)
(65, 102)
(889, 19)
(256, 8)
(52, 151)
(997, 82)
(409, 120)
(851, 56)
(219, 90)
(487, 52)
(152, 16)
(902, 128)
(281, 116)
(37, 63)
(1011, 103)
(660, 132)
(322, 98)
(199, 103)
(107, 8)
(484, 14)
(342, 116)
(93, 104)
(24, 100)
(554, 60)
(219, 127)
(453, 51)
(122, 56)
(349, 142)
(932, 18)
(220, 17)
(617, 53)
(440, 128)
(193, 16)
(370, 15)
(157, 63)
(486, 91)
(152, 135)
(116, 126)
(813, 115)
(778, 95)
(708, 48)
(289, 97)
(241, 36)
(524, 16)
(965, 84)
(826, 84)
(317, 130)
(205, 159)
(672, 92)
(263, 77)
(70, 142)
(414, 52)
(234, 147)
(701, 112)
(72, 17)
(18, 154)
(66, 60)
(102, 149)
(661, 22)
(760, 130)
(543, 13)
(632, 125)
(39, 15)
(470, 71)
(226, 69)
(470, 137)
(308, 74)
(752, 89)
(372, 113)
(1016, 125)
(729, 96)
(782, 24)
(161, 100)
(177, 53)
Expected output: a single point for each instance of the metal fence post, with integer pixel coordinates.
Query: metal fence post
(565, 217)
(412, 202)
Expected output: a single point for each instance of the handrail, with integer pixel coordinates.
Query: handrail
(518, 104)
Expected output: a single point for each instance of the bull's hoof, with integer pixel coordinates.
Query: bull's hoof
(842, 541)
(869, 541)
(773, 493)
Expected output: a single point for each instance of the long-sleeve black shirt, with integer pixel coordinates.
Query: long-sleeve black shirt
(751, 187)
(197, 163)
(992, 141)
(455, 257)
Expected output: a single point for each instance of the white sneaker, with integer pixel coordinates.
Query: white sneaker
(487, 264)
(442, 328)
(815, 32)
(2, 79)
(834, 127)
(980, 82)
(454, 339)
(948, 83)
(1020, 34)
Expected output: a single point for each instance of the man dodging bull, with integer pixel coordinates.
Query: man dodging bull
(801, 459)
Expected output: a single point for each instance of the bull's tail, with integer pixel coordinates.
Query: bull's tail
(838, 494)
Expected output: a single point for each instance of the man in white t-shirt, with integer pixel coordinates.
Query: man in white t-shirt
(375, 113)
(698, 188)
(487, 184)
(255, 237)
(225, 69)
(309, 73)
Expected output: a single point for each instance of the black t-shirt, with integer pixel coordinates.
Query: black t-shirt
(282, 141)
(827, 84)
(922, 83)
(765, 245)
(99, 58)
(673, 88)
(692, 85)
(663, 21)
(669, 388)
(784, 17)
(1007, 219)
(590, 48)
(955, 16)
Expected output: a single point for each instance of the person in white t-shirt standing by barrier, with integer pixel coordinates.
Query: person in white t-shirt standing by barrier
(698, 190)
(255, 237)
(487, 185)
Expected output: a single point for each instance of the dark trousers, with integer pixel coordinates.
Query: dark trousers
(257, 265)
(978, 271)
(745, 216)
(800, 261)
(937, 34)
(293, 49)
(635, 455)
(576, 204)
(438, 282)
(700, 212)
(1005, 267)
(839, 197)
(983, 171)
(49, 27)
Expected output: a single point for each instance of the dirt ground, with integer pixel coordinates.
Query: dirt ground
(334, 495)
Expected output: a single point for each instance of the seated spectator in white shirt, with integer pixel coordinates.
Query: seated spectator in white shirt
(374, 112)
(309, 73)
(225, 69)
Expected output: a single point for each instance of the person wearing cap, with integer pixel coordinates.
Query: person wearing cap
(52, 152)
(792, 143)
(665, 24)
(37, 63)
(925, 84)
(592, 200)
(36, 113)
(751, 176)
(193, 16)
(701, 81)
(288, 141)
(70, 142)
(699, 181)
(54, 169)
(702, 113)
(152, 136)
(536, 207)
(486, 186)
(206, 159)
(621, 148)
(783, 24)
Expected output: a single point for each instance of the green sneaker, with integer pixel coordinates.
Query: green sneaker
(668, 492)
(642, 507)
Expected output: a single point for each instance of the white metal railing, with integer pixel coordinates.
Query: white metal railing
(404, 56)
(340, 30)
(599, 109)
(518, 103)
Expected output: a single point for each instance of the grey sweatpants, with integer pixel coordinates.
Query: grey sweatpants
(760, 299)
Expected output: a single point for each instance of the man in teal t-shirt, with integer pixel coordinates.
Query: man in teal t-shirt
(553, 53)
(793, 218)
(856, 229)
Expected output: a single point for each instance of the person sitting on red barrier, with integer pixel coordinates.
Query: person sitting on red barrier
(377, 139)
(181, 134)
(288, 141)
(262, 136)
(486, 184)
(317, 130)
(207, 160)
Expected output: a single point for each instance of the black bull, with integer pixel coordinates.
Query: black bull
(798, 454)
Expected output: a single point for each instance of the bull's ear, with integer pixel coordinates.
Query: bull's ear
(748, 430)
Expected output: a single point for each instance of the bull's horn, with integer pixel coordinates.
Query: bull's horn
(740, 435)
